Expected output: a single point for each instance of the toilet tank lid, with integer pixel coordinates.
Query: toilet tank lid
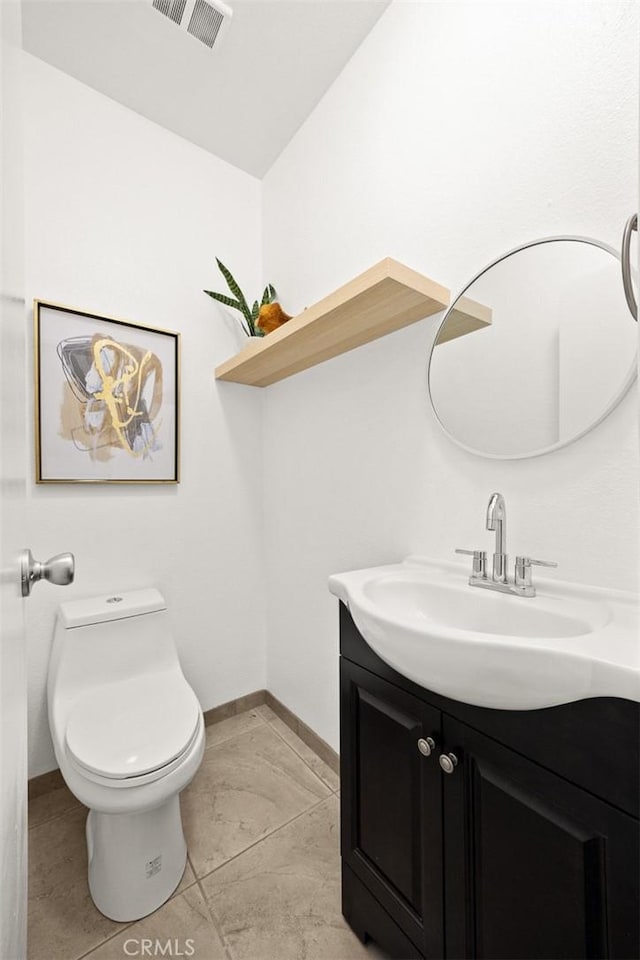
(81, 613)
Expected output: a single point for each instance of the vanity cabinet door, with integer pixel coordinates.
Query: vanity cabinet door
(392, 804)
(534, 866)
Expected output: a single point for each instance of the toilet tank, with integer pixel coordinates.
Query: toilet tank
(110, 638)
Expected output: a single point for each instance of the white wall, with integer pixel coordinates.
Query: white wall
(457, 131)
(124, 218)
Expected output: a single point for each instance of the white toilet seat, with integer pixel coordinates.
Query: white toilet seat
(134, 731)
(130, 782)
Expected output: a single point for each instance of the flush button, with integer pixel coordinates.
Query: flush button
(114, 600)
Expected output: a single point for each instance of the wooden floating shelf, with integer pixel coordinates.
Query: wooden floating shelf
(384, 298)
(466, 316)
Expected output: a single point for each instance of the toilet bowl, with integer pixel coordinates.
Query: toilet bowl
(128, 734)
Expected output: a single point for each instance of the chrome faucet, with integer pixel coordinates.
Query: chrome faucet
(521, 584)
(497, 520)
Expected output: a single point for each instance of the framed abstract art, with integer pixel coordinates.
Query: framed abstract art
(107, 399)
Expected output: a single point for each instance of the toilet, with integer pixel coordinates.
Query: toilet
(128, 734)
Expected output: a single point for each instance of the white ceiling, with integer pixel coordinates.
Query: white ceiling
(243, 100)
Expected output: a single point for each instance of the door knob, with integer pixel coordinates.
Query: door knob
(426, 746)
(448, 762)
(59, 570)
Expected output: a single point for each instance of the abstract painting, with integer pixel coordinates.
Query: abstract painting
(107, 397)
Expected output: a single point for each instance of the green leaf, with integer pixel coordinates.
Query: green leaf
(222, 298)
(229, 303)
(269, 294)
(255, 310)
(235, 290)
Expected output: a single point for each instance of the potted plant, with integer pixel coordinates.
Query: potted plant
(262, 317)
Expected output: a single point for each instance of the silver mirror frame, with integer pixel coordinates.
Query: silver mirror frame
(631, 377)
(630, 226)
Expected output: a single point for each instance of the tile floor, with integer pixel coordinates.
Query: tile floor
(262, 882)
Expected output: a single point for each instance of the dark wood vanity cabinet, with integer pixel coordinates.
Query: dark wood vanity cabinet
(536, 867)
(392, 803)
(504, 857)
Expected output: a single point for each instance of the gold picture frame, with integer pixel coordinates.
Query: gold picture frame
(107, 398)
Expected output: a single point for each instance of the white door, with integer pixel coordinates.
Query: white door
(13, 684)
(18, 570)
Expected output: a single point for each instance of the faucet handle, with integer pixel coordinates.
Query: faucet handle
(522, 576)
(479, 561)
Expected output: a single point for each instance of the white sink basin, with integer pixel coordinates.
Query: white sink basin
(491, 649)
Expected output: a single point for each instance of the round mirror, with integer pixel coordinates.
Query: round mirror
(535, 351)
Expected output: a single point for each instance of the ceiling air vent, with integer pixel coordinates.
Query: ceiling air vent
(174, 9)
(203, 19)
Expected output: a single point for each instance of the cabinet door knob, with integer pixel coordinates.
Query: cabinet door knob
(448, 762)
(426, 746)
